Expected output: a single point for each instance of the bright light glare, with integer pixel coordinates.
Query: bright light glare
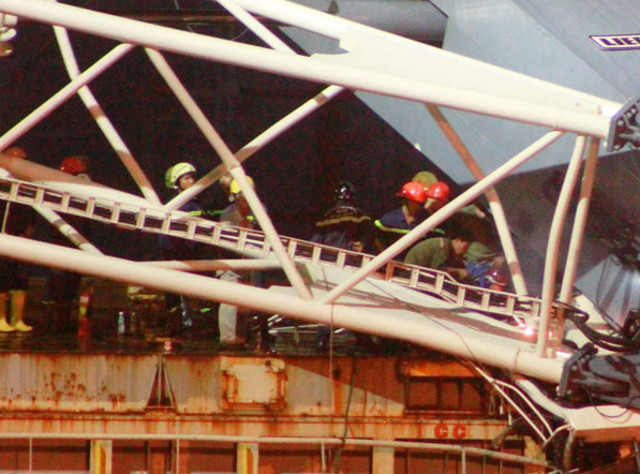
(528, 331)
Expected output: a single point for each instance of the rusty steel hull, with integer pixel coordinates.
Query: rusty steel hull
(228, 395)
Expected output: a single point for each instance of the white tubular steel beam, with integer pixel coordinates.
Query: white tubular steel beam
(384, 51)
(29, 171)
(214, 265)
(255, 26)
(398, 69)
(577, 234)
(475, 346)
(442, 214)
(101, 119)
(63, 95)
(66, 229)
(497, 210)
(582, 212)
(553, 246)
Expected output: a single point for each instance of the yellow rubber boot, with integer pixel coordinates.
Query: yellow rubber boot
(4, 325)
(18, 300)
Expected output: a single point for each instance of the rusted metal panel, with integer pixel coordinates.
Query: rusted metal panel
(218, 384)
(223, 395)
(249, 384)
(315, 386)
(75, 383)
(367, 387)
(195, 383)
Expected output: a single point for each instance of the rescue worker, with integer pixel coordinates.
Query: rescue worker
(62, 287)
(442, 253)
(178, 178)
(438, 194)
(426, 178)
(399, 222)
(14, 279)
(395, 224)
(239, 214)
(345, 225)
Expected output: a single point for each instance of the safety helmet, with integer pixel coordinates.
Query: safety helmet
(427, 178)
(497, 275)
(439, 191)
(177, 171)
(74, 165)
(414, 191)
(234, 187)
(16, 152)
(344, 192)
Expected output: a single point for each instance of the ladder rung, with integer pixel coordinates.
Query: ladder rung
(191, 229)
(140, 218)
(215, 237)
(64, 203)
(115, 213)
(13, 191)
(460, 297)
(39, 196)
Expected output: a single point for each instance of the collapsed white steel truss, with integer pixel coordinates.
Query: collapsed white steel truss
(372, 61)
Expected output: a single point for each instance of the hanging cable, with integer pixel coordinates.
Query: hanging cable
(497, 387)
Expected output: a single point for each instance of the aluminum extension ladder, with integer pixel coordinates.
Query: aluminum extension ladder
(253, 242)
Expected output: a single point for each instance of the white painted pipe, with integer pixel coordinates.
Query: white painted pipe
(328, 70)
(407, 18)
(473, 346)
(63, 95)
(333, 26)
(255, 26)
(582, 212)
(270, 233)
(553, 246)
(101, 119)
(215, 265)
(579, 224)
(497, 210)
(66, 229)
(26, 170)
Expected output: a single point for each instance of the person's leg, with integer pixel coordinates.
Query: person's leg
(18, 301)
(227, 321)
(4, 325)
(7, 280)
(228, 315)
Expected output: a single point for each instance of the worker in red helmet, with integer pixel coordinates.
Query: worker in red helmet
(75, 165)
(438, 194)
(18, 220)
(16, 152)
(66, 307)
(399, 222)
